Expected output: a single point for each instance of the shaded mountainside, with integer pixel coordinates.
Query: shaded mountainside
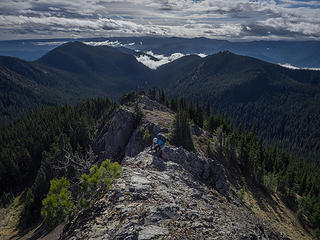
(26, 86)
(20, 94)
(284, 103)
(102, 66)
(68, 74)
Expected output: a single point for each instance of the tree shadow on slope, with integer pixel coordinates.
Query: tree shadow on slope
(264, 199)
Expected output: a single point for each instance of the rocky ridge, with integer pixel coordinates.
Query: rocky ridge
(183, 196)
(161, 199)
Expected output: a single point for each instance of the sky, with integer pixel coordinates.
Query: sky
(216, 19)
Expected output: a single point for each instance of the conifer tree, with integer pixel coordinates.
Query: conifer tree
(209, 151)
(152, 93)
(138, 114)
(173, 104)
(208, 108)
(199, 116)
(162, 97)
(191, 110)
(181, 135)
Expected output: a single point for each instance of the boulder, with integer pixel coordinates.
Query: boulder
(203, 168)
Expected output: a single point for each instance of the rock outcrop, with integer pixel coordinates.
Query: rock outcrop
(115, 135)
(122, 135)
(165, 199)
(203, 168)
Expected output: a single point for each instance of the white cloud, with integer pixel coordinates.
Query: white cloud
(232, 19)
(104, 43)
(202, 55)
(287, 65)
(153, 64)
(55, 43)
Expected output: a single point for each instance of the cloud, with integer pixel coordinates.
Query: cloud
(153, 64)
(105, 43)
(54, 43)
(202, 55)
(232, 19)
(287, 65)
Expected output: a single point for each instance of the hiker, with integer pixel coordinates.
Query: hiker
(154, 143)
(158, 143)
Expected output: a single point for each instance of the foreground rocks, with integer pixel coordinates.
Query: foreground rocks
(166, 199)
(202, 168)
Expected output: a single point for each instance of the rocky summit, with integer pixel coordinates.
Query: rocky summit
(166, 199)
(180, 196)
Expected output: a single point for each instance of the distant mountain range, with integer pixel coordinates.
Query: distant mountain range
(284, 103)
(302, 54)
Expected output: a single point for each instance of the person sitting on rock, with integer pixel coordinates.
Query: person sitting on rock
(161, 142)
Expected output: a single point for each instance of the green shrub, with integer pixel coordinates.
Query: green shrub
(146, 136)
(300, 214)
(317, 233)
(241, 193)
(137, 111)
(98, 180)
(58, 204)
(6, 199)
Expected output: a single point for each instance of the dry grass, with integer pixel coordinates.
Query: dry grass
(39, 234)
(9, 219)
(273, 210)
(164, 119)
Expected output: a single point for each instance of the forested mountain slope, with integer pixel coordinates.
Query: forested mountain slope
(98, 67)
(284, 103)
(67, 74)
(229, 186)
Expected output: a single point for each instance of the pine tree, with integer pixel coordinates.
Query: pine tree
(173, 104)
(191, 111)
(209, 151)
(208, 109)
(58, 204)
(199, 116)
(161, 96)
(138, 114)
(181, 135)
(152, 93)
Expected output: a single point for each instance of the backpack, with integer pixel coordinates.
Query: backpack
(161, 137)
